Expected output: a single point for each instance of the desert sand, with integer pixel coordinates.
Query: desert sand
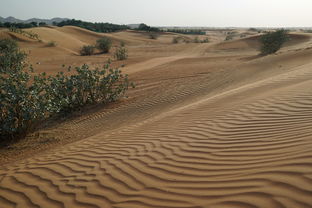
(209, 125)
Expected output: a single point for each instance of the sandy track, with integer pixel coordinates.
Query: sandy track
(248, 147)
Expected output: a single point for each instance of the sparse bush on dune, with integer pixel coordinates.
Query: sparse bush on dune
(26, 99)
(104, 44)
(121, 53)
(271, 42)
(87, 50)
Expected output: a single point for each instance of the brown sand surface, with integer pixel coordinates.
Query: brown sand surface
(209, 125)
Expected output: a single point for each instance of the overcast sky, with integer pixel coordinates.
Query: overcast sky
(240, 13)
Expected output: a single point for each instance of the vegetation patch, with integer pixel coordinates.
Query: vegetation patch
(87, 50)
(271, 42)
(27, 99)
(104, 44)
(121, 53)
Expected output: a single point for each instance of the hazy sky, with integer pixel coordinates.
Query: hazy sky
(245, 13)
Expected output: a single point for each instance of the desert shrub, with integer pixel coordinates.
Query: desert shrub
(104, 44)
(86, 86)
(153, 36)
(26, 99)
(11, 58)
(51, 43)
(22, 101)
(87, 50)
(271, 42)
(121, 53)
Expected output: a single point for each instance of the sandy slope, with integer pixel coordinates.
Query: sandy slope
(206, 127)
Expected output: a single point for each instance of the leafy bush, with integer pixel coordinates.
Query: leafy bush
(11, 58)
(104, 44)
(26, 100)
(87, 50)
(121, 53)
(51, 44)
(273, 41)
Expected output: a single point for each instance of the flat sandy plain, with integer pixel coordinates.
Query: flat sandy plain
(209, 125)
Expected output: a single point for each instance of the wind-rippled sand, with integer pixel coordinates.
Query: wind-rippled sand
(247, 147)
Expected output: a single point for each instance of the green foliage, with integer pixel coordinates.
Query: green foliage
(11, 58)
(104, 44)
(51, 43)
(87, 50)
(19, 25)
(26, 99)
(144, 27)
(121, 53)
(273, 41)
(97, 27)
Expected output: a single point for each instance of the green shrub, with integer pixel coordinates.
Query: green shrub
(11, 58)
(121, 53)
(104, 44)
(87, 50)
(26, 100)
(51, 44)
(273, 41)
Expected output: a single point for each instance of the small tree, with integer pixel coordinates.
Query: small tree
(104, 44)
(273, 41)
(87, 50)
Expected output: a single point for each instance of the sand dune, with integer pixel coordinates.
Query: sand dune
(205, 128)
